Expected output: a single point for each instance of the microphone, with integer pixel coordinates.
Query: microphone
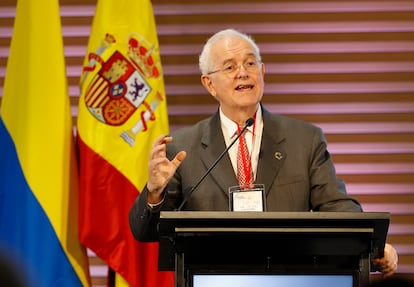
(248, 123)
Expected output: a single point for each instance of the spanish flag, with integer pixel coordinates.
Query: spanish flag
(38, 170)
(122, 109)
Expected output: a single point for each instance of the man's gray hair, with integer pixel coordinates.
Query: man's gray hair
(204, 60)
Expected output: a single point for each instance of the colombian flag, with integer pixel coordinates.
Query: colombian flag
(122, 109)
(38, 170)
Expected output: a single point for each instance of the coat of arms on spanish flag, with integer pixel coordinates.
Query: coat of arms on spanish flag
(122, 109)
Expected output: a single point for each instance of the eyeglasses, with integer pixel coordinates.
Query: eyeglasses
(231, 68)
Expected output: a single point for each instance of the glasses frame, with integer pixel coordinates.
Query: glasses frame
(238, 67)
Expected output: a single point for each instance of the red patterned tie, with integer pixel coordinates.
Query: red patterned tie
(244, 165)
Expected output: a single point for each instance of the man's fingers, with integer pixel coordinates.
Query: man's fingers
(159, 146)
(387, 267)
(157, 151)
(162, 139)
(161, 166)
(179, 158)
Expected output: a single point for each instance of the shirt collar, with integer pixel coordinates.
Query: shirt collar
(230, 128)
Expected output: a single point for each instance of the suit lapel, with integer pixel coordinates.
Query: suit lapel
(271, 157)
(212, 145)
(272, 151)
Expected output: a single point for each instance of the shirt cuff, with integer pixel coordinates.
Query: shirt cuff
(155, 205)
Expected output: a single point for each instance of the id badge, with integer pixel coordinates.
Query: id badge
(251, 198)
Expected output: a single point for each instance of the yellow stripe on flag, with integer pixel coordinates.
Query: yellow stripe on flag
(120, 281)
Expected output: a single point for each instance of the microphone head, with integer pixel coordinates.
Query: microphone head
(249, 122)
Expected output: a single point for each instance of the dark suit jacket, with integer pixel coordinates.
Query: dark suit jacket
(304, 179)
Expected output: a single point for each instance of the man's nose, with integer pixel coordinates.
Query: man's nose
(241, 71)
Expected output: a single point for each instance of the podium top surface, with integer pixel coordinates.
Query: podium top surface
(228, 215)
(173, 223)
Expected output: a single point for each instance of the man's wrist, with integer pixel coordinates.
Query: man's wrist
(154, 200)
(155, 205)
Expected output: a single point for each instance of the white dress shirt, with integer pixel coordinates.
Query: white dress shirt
(253, 138)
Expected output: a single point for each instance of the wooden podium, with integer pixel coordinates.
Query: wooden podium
(238, 243)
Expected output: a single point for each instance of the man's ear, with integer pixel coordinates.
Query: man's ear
(208, 84)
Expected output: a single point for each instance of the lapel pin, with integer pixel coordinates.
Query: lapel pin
(278, 155)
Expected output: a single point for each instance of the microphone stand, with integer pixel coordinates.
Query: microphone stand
(249, 122)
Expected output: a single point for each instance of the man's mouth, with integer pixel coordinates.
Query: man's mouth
(244, 87)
